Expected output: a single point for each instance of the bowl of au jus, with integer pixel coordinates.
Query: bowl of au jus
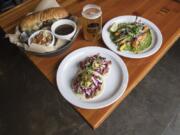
(64, 29)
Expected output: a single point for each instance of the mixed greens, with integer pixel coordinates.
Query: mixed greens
(134, 37)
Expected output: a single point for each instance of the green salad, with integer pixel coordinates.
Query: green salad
(134, 37)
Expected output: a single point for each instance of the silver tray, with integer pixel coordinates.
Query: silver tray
(62, 48)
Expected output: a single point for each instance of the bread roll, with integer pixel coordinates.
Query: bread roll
(35, 20)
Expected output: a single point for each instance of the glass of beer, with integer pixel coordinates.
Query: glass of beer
(92, 22)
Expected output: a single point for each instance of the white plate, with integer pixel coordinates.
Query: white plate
(115, 82)
(156, 37)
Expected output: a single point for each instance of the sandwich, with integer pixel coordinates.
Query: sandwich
(37, 20)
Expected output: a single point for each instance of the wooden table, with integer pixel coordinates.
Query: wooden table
(164, 13)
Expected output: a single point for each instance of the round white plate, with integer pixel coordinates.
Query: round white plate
(156, 37)
(115, 82)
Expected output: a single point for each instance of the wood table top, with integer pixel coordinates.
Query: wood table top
(164, 13)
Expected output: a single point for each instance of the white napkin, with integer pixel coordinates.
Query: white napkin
(44, 4)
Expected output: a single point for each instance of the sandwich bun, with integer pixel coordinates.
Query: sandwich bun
(36, 20)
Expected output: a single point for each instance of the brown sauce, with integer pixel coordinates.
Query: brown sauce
(64, 29)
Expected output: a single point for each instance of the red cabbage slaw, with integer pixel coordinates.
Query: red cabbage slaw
(96, 63)
(87, 83)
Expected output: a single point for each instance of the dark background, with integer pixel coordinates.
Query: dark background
(7, 4)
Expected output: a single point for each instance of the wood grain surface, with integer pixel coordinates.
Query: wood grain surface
(164, 13)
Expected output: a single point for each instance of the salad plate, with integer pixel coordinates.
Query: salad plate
(114, 82)
(132, 36)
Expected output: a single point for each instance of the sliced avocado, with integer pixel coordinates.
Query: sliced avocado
(95, 64)
(114, 27)
(144, 44)
(122, 47)
(87, 84)
(125, 47)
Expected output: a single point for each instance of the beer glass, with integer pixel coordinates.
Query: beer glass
(92, 22)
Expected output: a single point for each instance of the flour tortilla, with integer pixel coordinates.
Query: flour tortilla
(98, 94)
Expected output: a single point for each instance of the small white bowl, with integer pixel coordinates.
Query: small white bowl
(62, 22)
(36, 33)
